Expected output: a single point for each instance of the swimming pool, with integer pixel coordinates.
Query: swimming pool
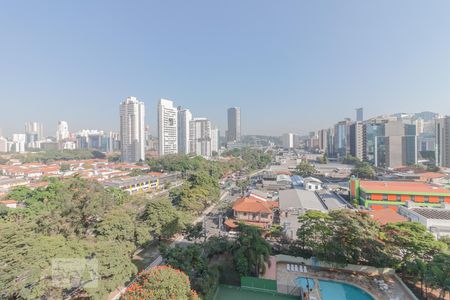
(333, 290)
(304, 283)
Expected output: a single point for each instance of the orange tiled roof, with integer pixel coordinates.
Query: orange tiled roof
(157, 174)
(401, 186)
(387, 215)
(252, 204)
(8, 202)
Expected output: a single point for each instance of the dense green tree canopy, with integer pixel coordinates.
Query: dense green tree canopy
(251, 251)
(305, 169)
(163, 219)
(348, 237)
(161, 283)
(363, 170)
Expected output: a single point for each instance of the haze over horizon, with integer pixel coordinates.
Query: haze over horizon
(293, 66)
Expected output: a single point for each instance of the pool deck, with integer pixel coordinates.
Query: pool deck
(286, 281)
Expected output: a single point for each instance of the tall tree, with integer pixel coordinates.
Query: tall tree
(161, 282)
(408, 241)
(251, 251)
(163, 219)
(305, 169)
(439, 273)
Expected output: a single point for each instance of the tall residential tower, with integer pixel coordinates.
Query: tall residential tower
(184, 119)
(443, 142)
(62, 131)
(167, 127)
(132, 130)
(200, 137)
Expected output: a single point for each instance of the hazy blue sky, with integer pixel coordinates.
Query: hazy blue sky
(291, 65)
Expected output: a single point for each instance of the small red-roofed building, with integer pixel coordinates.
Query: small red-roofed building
(386, 215)
(9, 203)
(252, 211)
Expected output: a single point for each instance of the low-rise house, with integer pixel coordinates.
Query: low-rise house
(312, 184)
(276, 181)
(252, 211)
(7, 184)
(9, 203)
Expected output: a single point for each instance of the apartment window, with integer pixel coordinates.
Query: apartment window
(399, 198)
(245, 214)
(441, 199)
(265, 216)
(385, 197)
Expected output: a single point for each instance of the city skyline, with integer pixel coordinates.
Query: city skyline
(320, 69)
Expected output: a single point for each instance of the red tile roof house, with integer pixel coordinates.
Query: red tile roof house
(386, 215)
(10, 203)
(252, 211)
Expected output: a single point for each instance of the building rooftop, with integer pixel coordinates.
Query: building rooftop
(300, 199)
(12, 180)
(260, 194)
(312, 179)
(401, 186)
(253, 204)
(387, 215)
(284, 177)
(5, 202)
(433, 213)
(331, 200)
(119, 182)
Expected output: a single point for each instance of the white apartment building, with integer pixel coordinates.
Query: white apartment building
(19, 141)
(200, 137)
(132, 130)
(167, 127)
(34, 132)
(5, 145)
(69, 145)
(288, 140)
(184, 119)
(62, 131)
(214, 139)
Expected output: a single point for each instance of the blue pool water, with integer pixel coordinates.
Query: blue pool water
(303, 282)
(332, 290)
